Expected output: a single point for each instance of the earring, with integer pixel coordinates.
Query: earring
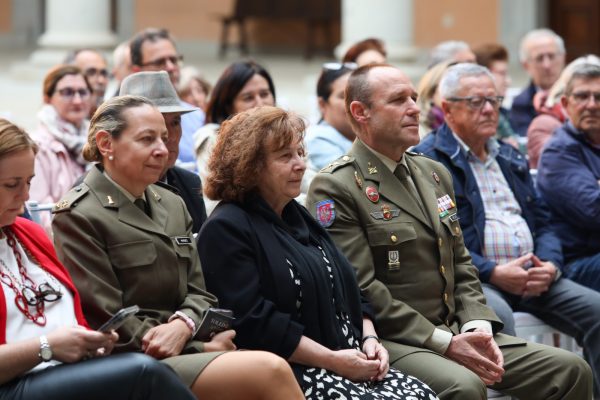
(111, 157)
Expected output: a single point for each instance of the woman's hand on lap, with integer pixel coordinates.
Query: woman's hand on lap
(222, 341)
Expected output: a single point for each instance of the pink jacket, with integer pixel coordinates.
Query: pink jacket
(55, 169)
(539, 132)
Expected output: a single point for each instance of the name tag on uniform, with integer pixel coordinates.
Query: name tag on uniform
(454, 217)
(183, 240)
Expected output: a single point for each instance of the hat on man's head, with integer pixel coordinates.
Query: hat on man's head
(156, 86)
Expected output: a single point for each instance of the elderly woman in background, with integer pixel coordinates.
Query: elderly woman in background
(61, 133)
(127, 241)
(292, 291)
(332, 137)
(367, 51)
(193, 88)
(429, 101)
(44, 337)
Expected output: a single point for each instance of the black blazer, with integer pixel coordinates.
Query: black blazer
(245, 267)
(189, 187)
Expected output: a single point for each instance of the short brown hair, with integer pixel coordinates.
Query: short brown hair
(58, 72)
(243, 143)
(109, 117)
(14, 138)
(486, 54)
(358, 89)
(360, 47)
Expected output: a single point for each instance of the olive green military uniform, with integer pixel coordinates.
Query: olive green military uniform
(413, 267)
(118, 256)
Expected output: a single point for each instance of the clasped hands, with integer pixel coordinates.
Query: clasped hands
(478, 352)
(514, 278)
(370, 364)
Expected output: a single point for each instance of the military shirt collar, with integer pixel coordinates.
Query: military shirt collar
(388, 162)
(129, 196)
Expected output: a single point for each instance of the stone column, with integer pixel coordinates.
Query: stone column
(72, 24)
(388, 20)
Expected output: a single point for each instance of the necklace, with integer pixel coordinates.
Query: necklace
(27, 294)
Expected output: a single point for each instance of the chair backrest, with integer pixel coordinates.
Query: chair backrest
(35, 209)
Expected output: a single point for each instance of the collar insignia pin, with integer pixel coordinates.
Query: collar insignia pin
(110, 200)
(372, 169)
(436, 178)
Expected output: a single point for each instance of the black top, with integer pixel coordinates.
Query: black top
(246, 251)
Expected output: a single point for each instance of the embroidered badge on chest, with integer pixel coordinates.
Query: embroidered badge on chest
(325, 213)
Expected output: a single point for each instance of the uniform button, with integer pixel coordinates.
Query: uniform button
(456, 230)
(345, 158)
(440, 242)
(446, 297)
(442, 269)
(394, 238)
(78, 189)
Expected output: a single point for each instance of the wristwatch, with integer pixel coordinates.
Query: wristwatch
(45, 353)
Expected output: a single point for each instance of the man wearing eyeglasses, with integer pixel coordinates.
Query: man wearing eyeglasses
(569, 177)
(542, 55)
(392, 213)
(506, 226)
(154, 50)
(93, 65)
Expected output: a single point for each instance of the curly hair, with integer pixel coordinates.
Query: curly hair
(243, 144)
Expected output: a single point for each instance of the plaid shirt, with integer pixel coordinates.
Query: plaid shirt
(506, 234)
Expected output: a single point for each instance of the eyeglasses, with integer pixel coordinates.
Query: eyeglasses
(69, 93)
(478, 102)
(162, 62)
(336, 66)
(44, 293)
(584, 97)
(90, 72)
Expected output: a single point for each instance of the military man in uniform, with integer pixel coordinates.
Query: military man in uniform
(393, 214)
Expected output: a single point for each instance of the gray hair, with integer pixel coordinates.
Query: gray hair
(450, 83)
(110, 117)
(446, 51)
(585, 72)
(539, 34)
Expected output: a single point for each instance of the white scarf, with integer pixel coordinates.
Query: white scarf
(69, 135)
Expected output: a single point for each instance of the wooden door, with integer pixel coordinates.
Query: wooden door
(578, 23)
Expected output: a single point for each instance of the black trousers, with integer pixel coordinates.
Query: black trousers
(129, 376)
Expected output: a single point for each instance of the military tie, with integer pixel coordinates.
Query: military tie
(142, 205)
(402, 174)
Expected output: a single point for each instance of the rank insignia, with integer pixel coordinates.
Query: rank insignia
(436, 177)
(325, 213)
(393, 260)
(372, 169)
(372, 194)
(357, 180)
(110, 200)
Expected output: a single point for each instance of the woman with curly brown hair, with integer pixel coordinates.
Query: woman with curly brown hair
(266, 258)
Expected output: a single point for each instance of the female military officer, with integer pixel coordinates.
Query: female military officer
(127, 241)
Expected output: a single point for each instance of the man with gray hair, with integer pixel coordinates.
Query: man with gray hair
(93, 65)
(393, 214)
(506, 226)
(542, 55)
(452, 50)
(569, 177)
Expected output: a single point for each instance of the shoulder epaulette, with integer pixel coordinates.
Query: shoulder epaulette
(340, 162)
(71, 198)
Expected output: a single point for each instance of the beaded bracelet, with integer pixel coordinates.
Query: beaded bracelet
(370, 337)
(188, 321)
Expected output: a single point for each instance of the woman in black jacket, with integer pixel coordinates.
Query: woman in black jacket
(291, 290)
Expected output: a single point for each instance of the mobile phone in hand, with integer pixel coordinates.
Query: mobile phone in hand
(119, 319)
